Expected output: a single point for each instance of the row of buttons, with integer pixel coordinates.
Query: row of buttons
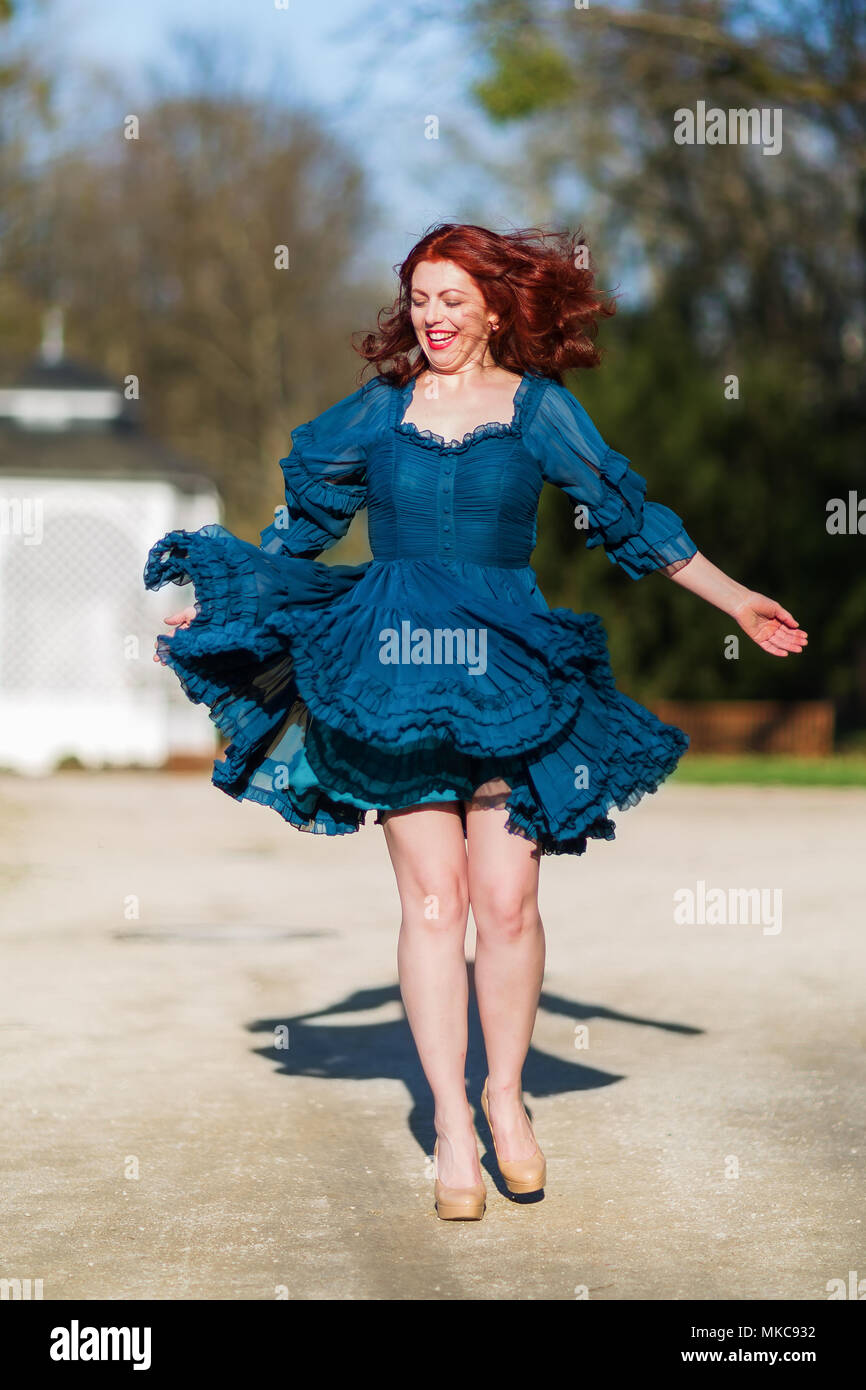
(447, 486)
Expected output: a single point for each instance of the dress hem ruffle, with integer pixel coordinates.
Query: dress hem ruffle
(267, 641)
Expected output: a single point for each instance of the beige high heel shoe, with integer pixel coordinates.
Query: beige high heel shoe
(458, 1203)
(520, 1174)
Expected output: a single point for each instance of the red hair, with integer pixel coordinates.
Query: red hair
(539, 284)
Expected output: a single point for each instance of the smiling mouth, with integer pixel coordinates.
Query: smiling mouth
(440, 340)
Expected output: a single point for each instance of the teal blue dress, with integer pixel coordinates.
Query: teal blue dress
(437, 665)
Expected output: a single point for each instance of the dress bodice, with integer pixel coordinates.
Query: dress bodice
(471, 501)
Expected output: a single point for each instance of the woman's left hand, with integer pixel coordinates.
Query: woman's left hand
(770, 625)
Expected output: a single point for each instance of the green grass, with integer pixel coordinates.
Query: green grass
(764, 770)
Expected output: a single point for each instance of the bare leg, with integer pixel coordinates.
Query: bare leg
(428, 853)
(509, 958)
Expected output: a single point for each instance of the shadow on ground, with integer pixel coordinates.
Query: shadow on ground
(386, 1050)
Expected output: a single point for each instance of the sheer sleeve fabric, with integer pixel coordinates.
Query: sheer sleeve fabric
(325, 479)
(638, 535)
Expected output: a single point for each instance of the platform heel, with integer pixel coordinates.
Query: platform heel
(521, 1175)
(457, 1203)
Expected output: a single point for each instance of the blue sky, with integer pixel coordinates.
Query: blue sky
(332, 58)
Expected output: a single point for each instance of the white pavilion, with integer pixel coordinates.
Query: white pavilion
(84, 493)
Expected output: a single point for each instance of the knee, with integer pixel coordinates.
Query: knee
(438, 907)
(504, 914)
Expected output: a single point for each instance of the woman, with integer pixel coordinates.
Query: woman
(433, 684)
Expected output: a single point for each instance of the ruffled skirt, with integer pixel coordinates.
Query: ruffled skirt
(347, 689)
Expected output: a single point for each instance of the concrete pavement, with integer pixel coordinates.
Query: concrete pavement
(212, 1093)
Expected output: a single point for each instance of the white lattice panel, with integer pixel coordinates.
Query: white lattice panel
(76, 622)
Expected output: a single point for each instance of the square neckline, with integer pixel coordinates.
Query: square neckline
(485, 430)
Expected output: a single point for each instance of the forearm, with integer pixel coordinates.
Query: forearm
(700, 576)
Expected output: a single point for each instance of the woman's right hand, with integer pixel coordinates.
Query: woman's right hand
(182, 619)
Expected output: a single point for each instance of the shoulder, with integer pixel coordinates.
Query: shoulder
(360, 415)
(374, 395)
(378, 385)
(549, 406)
(546, 393)
(560, 433)
(558, 409)
(553, 395)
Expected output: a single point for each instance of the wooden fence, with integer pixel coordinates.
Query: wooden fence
(802, 729)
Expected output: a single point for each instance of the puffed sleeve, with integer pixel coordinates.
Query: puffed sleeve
(637, 535)
(325, 480)
(239, 585)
